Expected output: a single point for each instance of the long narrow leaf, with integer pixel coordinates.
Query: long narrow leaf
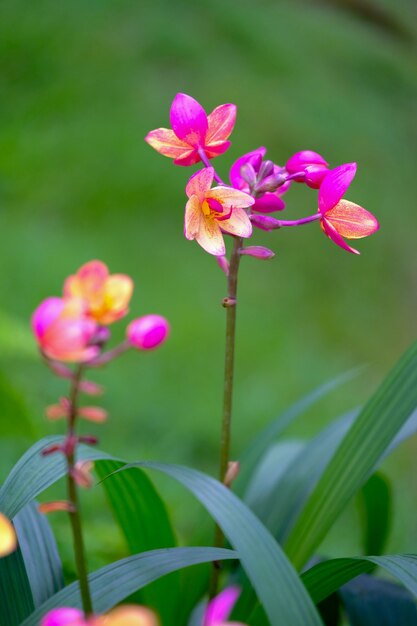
(277, 585)
(16, 600)
(375, 502)
(357, 455)
(113, 583)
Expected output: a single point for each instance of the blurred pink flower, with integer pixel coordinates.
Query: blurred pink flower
(148, 332)
(126, 615)
(341, 218)
(106, 295)
(193, 129)
(249, 172)
(8, 540)
(312, 166)
(63, 331)
(219, 609)
(210, 211)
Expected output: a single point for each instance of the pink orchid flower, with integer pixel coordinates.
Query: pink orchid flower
(8, 540)
(63, 331)
(126, 615)
(106, 295)
(209, 212)
(341, 218)
(193, 129)
(265, 202)
(219, 609)
(311, 165)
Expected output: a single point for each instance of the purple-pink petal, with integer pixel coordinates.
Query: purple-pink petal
(335, 185)
(188, 120)
(219, 609)
(63, 617)
(268, 203)
(46, 313)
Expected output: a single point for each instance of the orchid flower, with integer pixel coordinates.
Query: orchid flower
(8, 541)
(126, 615)
(209, 212)
(253, 175)
(107, 296)
(342, 218)
(219, 609)
(311, 167)
(63, 331)
(193, 130)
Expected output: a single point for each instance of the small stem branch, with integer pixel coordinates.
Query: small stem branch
(207, 163)
(229, 362)
(108, 356)
(75, 518)
(300, 222)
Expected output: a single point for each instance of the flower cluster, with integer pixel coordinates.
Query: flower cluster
(256, 184)
(74, 327)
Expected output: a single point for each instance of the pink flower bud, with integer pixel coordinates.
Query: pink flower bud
(311, 166)
(81, 473)
(52, 449)
(247, 172)
(270, 183)
(57, 505)
(223, 264)
(148, 332)
(266, 168)
(314, 175)
(264, 222)
(89, 439)
(258, 252)
(93, 414)
(90, 388)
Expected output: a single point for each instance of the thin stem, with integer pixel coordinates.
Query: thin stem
(77, 534)
(108, 356)
(303, 220)
(207, 163)
(230, 304)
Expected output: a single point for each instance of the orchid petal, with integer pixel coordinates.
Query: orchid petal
(8, 541)
(46, 313)
(332, 233)
(64, 617)
(188, 120)
(165, 141)
(219, 609)
(221, 122)
(231, 198)
(117, 293)
(200, 183)
(215, 149)
(192, 217)
(189, 157)
(235, 175)
(238, 224)
(210, 237)
(268, 203)
(351, 220)
(334, 186)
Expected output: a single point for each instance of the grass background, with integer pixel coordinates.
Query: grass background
(81, 83)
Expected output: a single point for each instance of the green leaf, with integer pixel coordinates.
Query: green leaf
(276, 583)
(16, 600)
(353, 462)
(113, 583)
(39, 552)
(327, 577)
(262, 442)
(375, 501)
(143, 519)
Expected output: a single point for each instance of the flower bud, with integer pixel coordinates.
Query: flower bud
(223, 264)
(314, 175)
(89, 439)
(93, 414)
(90, 388)
(148, 332)
(258, 252)
(56, 447)
(101, 336)
(270, 183)
(267, 167)
(81, 473)
(264, 222)
(57, 505)
(310, 165)
(247, 171)
(233, 469)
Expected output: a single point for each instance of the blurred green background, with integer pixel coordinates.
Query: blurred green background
(81, 83)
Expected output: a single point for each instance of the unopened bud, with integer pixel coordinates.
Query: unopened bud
(314, 175)
(248, 174)
(266, 169)
(89, 439)
(90, 388)
(258, 252)
(57, 505)
(148, 332)
(52, 449)
(223, 263)
(100, 337)
(93, 414)
(233, 469)
(81, 473)
(270, 183)
(58, 411)
(265, 222)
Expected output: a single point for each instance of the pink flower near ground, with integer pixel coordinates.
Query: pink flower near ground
(63, 331)
(312, 166)
(106, 295)
(126, 615)
(193, 129)
(148, 332)
(210, 212)
(266, 201)
(219, 609)
(342, 218)
(8, 540)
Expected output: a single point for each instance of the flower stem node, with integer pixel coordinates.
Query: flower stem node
(229, 302)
